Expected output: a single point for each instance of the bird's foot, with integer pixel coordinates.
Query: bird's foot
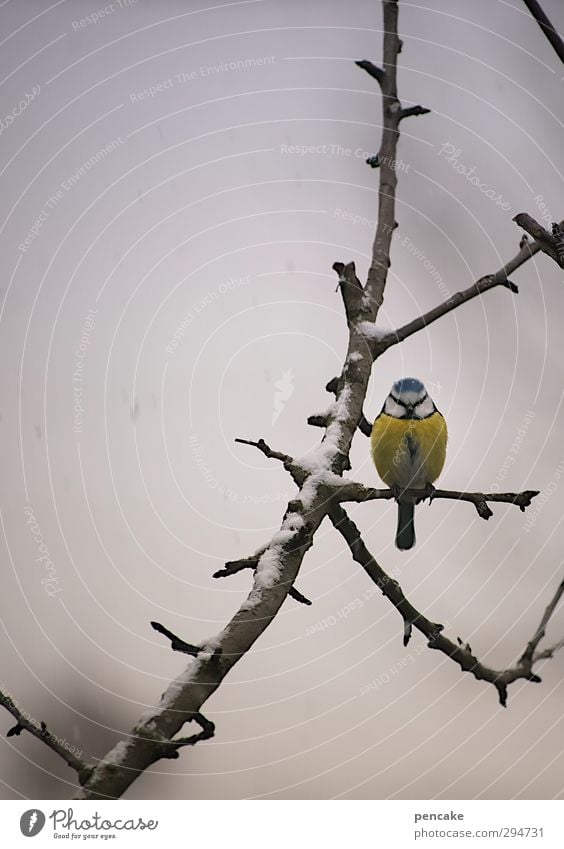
(430, 492)
(396, 491)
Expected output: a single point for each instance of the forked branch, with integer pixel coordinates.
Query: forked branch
(460, 652)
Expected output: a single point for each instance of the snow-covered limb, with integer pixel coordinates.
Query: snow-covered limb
(459, 652)
(315, 475)
(42, 733)
(182, 700)
(234, 566)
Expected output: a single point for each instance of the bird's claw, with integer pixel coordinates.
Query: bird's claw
(430, 492)
(396, 492)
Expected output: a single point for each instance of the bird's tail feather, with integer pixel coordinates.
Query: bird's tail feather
(405, 534)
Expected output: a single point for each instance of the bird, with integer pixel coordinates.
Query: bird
(408, 443)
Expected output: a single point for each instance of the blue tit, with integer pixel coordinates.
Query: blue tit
(409, 440)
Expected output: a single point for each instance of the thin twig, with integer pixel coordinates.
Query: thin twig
(346, 490)
(283, 555)
(371, 69)
(529, 653)
(176, 643)
(410, 111)
(484, 284)
(268, 452)
(42, 733)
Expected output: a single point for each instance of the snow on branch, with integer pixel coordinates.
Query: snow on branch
(318, 478)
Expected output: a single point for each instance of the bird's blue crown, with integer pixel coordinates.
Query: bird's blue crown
(407, 384)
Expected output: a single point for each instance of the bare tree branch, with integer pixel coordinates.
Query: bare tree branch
(340, 490)
(371, 69)
(280, 561)
(378, 272)
(176, 643)
(484, 284)
(538, 14)
(364, 426)
(409, 111)
(530, 655)
(171, 747)
(460, 653)
(551, 243)
(268, 452)
(42, 733)
(350, 491)
(183, 698)
(318, 478)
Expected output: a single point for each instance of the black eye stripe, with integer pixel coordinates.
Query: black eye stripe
(404, 405)
(397, 401)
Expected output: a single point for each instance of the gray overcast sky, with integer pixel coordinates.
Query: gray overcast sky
(177, 180)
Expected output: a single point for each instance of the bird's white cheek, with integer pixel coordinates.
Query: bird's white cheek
(394, 410)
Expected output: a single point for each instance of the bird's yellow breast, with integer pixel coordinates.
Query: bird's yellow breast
(409, 452)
